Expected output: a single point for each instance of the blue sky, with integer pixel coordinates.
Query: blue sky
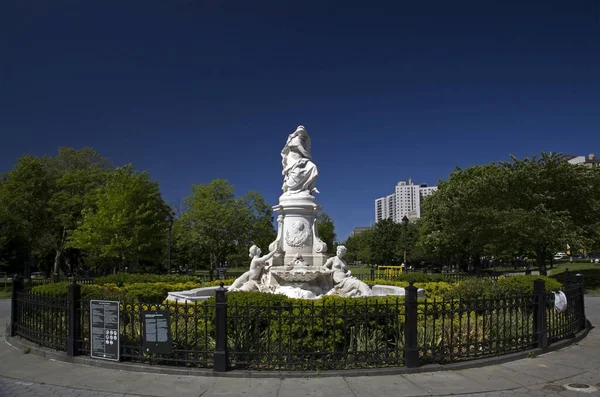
(196, 90)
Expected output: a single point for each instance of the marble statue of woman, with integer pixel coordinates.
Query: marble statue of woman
(250, 281)
(299, 172)
(344, 283)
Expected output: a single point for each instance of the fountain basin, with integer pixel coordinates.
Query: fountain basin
(293, 291)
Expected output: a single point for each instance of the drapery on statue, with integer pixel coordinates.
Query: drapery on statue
(250, 281)
(299, 172)
(344, 283)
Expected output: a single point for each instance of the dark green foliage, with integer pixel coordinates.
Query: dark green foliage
(150, 293)
(484, 288)
(306, 330)
(326, 231)
(121, 279)
(384, 241)
(530, 207)
(591, 278)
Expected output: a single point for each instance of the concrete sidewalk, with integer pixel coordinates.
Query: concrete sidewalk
(27, 374)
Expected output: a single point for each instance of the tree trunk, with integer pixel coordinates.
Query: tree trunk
(69, 266)
(211, 266)
(477, 262)
(540, 259)
(57, 261)
(59, 252)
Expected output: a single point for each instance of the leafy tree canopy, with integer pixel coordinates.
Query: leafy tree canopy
(535, 205)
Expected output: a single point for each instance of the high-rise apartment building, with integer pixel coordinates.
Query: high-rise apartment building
(406, 200)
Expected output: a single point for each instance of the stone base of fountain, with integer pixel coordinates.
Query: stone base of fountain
(291, 290)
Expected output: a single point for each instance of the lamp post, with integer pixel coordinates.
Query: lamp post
(405, 223)
(170, 226)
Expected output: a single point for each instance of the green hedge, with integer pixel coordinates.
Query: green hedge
(155, 292)
(138, 292)
(122, 279)
(419, 277)
(331, 327)
(486, 288)
(591, 278)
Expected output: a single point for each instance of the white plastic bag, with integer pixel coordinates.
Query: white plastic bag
(560, 301)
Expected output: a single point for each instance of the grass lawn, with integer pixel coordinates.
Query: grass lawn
(573, 267)
(5, 289)
(590, 272)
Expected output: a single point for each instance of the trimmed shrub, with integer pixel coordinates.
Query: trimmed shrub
(299, 329)
(486, 288)
(591, 278)
(122, 279)
(419, 277)
(138, 292)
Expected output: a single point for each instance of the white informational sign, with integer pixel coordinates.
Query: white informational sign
(104, 330)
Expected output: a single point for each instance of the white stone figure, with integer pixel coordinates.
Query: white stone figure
(344, 283)
(251, 280)
(296, 264)
(299, 172)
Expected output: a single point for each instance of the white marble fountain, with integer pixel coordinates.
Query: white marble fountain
(297, 265)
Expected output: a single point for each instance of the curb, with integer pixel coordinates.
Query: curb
(22, 344)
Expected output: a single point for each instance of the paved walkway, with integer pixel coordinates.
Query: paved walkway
(30, 375)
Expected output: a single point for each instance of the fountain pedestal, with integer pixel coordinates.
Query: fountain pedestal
(297, 231)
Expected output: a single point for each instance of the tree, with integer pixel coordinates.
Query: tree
(259, 218)
(186, 251)
(222, 224)
(128, 222)
(76, 174)
(384, 241)
(326, 230)
(258, 227)
(359, 247)
(533, 205)
(24, 211)
(414, 251)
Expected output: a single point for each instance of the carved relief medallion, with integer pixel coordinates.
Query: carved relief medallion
(297, 234)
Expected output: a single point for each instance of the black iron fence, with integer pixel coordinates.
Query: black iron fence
(226, 334)
(457, 330)
(39, 318)
(42, 281)
(316, 335)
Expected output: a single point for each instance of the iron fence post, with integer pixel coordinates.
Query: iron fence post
(540, 332)
(221, 359)
(74, 335)
(580, 283)
(411, 350)
(17, 286)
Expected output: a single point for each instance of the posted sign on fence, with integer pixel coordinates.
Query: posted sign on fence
(104, 330)
(157, 337)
